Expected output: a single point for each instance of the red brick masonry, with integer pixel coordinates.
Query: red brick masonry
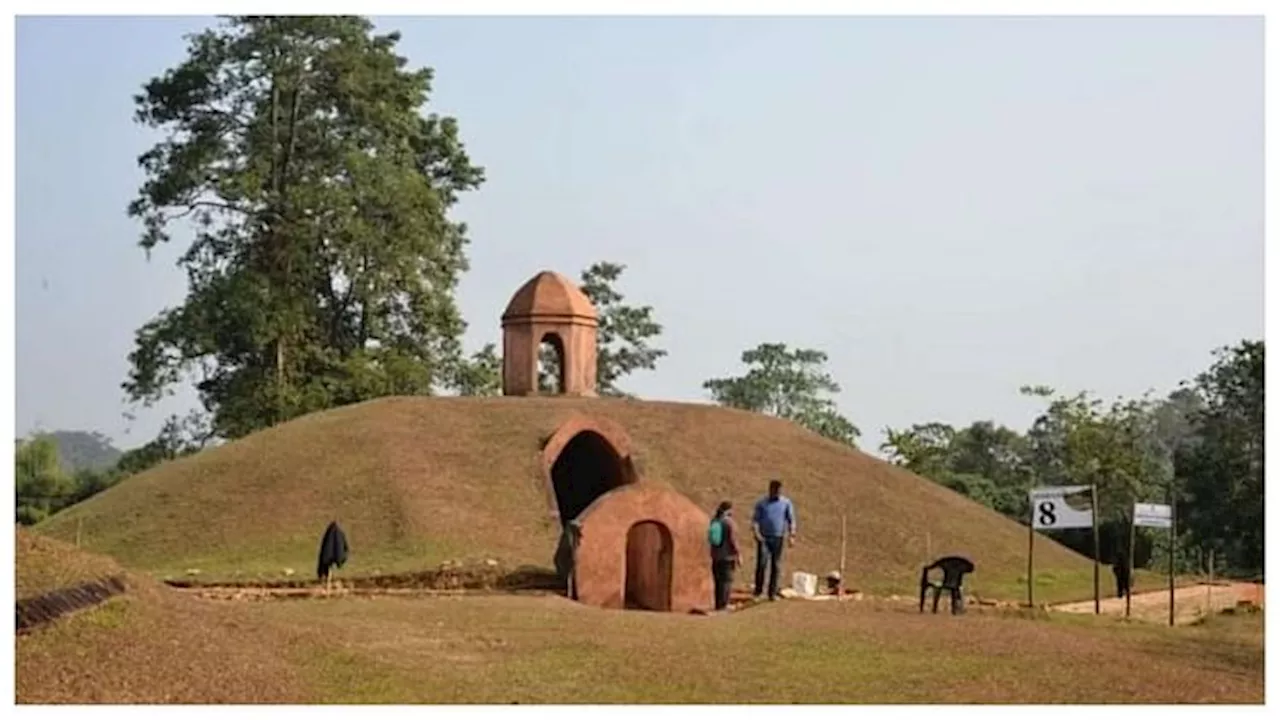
(678, 542)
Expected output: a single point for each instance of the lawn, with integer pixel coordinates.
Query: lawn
(504, 649)
(159, 645)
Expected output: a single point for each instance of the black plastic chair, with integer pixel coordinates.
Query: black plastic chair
(953, 568)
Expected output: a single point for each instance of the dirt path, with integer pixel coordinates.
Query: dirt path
(1190, 603)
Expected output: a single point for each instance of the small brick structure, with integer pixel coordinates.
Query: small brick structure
(549, 308)
(644, 546)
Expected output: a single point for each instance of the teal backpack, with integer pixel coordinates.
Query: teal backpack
(715, 533)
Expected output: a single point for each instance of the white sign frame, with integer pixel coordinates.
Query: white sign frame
(1050, 510)
(1153, 515)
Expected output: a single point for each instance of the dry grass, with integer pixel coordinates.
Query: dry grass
(42, 564)
(416, 481)
(507, 649)
(157, 645)
(150, 645)
(548, 650)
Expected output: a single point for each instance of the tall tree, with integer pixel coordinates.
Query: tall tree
(622, 340)
(323, 262)
(790, 384)
(1222, 470)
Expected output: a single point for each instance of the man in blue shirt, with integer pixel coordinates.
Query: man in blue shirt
(774, 518)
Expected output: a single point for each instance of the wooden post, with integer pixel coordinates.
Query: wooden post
(843, 545)
(1097, 588)
(1128, 591)
(1031, 553)
(1209, 589)
(1173, 534)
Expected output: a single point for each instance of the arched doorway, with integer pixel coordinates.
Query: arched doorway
(585, 469)
(649, 555)
(552, 364)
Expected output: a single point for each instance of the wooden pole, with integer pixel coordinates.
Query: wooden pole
(1209, 589)
(1128, 591)
(79, 524)
(1173, 534)
(1097, 588)
(1031, 553)
(843, 546)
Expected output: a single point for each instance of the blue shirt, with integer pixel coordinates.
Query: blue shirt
(774, 516)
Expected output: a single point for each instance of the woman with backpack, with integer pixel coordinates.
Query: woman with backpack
(723, 538)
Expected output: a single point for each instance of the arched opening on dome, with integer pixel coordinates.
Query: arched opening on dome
(588, 467)
(551, 365)
(649, 565)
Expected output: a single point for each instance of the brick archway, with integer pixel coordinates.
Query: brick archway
(595, 440)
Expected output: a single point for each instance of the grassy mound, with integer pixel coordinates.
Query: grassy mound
(150, 645)
(418, 481)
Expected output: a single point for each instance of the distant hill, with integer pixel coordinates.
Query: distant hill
(78, 450)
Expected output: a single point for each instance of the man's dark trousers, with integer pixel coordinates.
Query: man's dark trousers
(722, 572)
(769, 551)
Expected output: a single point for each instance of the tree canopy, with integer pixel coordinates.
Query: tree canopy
(322, 263)
(40, 483)
(789, 384)
(1201, 446)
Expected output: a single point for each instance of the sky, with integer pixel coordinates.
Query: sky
(950, 208)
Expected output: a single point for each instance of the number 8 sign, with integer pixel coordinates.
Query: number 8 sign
(1051, 511)
(1046, 514)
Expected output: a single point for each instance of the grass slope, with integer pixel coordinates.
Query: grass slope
(416, 481)
(42, 564)
(150, 645)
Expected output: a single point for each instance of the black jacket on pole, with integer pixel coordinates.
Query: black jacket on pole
(333, 550)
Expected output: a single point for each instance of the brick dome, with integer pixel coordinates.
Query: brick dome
(549, 294)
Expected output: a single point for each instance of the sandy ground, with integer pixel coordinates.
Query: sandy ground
(1190, 603)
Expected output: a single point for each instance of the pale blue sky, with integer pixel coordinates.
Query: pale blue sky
(950, 208)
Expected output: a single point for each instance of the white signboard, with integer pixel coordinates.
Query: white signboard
(1061, 506)
(1152, 515)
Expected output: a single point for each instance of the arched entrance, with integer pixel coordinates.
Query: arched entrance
(588, 467)
(649, 555)
(551, 364)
